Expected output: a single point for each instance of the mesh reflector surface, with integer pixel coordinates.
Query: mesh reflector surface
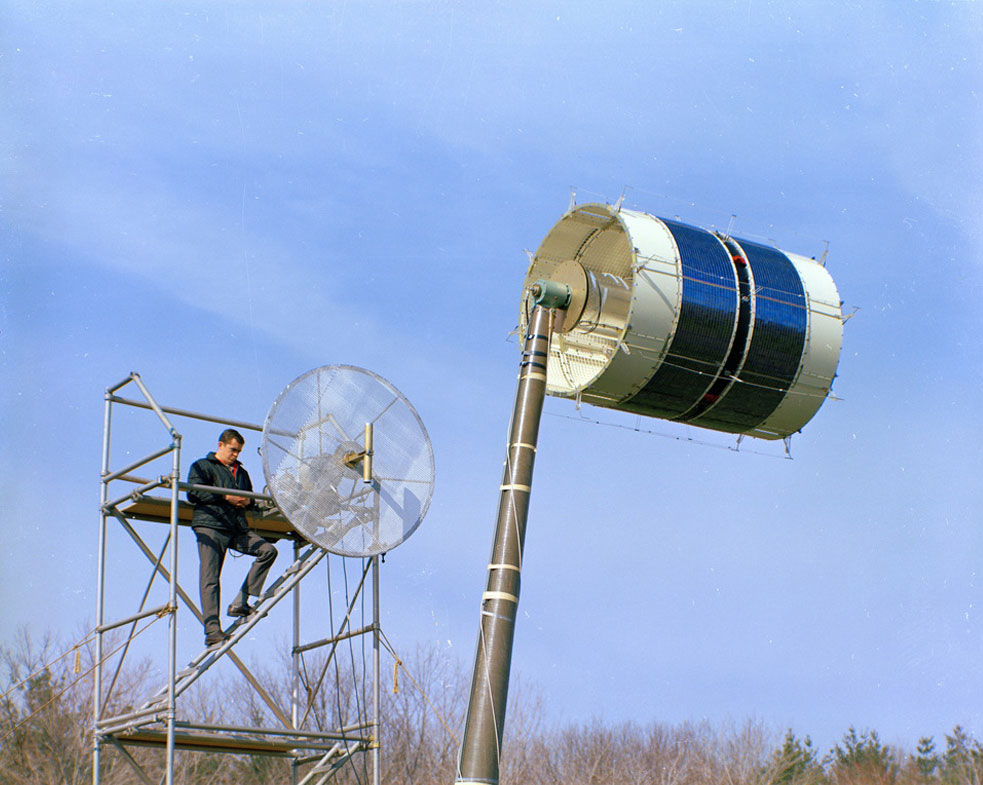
(315, 421)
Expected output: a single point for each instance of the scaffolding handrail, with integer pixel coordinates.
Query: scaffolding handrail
(110, 476)
(188, 486)
(136, 493)
(191, 415)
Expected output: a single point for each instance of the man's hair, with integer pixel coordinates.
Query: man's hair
(230, 435)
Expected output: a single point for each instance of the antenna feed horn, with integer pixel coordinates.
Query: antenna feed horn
(353, 458)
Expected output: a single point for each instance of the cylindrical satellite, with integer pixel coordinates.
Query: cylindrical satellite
(673, 321)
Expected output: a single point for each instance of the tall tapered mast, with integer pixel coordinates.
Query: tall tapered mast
(482, 743)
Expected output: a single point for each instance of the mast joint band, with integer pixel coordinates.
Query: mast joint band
(499, 595)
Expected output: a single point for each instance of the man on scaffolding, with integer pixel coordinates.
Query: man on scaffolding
(219, 523)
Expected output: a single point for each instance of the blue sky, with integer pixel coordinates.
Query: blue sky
(222, 196)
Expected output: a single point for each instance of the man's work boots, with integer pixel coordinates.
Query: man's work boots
(215, 638)
(240, 609)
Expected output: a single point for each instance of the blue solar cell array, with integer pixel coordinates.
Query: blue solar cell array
(778, 336)
(723, 369)
(707, 320)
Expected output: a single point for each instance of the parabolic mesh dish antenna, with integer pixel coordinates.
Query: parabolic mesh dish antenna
(329, 431)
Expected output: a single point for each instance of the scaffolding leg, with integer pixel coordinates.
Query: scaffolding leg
(100, 593)
(376, 674)
(172, 601)
(295, 665)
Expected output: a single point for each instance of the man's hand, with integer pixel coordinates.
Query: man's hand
(237, 501)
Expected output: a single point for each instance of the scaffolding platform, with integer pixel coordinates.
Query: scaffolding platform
(242, 741)
(270, 525)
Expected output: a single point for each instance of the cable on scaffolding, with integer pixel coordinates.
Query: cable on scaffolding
(337, 670)
(71, 684)
(401, 665)
(89, 637)
(327, 664)
(359, 699)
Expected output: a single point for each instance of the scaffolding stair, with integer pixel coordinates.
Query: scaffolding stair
(158, 702)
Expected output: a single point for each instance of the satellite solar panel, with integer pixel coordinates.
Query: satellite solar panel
(777, 340)
(707, 319)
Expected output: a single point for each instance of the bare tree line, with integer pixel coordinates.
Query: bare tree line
(46, 715)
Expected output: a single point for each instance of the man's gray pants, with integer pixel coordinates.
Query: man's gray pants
(212, 545)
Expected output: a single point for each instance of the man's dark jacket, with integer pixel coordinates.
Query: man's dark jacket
(211, 509)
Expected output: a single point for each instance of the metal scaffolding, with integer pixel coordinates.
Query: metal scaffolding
(157, 721)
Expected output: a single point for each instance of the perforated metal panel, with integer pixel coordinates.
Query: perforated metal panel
(316, 422)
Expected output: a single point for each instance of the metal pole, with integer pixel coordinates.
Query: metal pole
(295, 664)
(172, 601)
(137, 464)
(100, 590)
(482, 742)
(154, 405)
(295, 686)
(376, 675)
(249, 426)
(112, 625)
(344, 636)
(114, 387)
